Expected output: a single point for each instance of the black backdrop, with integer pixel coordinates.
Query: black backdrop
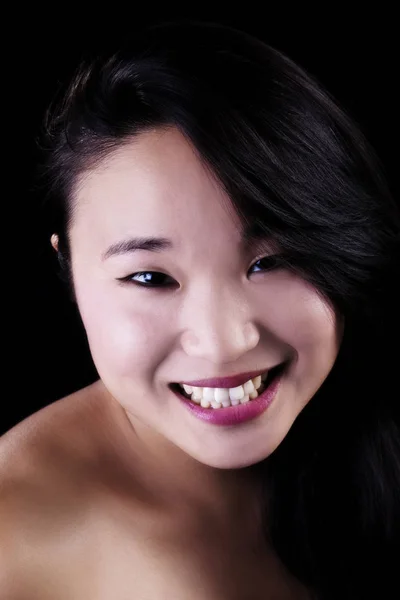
(46, 355)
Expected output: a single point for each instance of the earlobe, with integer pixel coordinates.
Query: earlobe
(54, 241)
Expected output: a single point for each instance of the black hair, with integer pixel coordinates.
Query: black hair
(294, 163)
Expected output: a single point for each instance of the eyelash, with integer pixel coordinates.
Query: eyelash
(274, 263)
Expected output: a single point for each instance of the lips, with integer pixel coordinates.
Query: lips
(241, 413)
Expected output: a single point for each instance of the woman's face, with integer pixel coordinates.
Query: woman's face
(212, 314)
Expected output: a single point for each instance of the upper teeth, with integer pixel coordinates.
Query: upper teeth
(222, 395)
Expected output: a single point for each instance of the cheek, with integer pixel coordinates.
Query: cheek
(295, 314)
(122, 338)
(313, 332)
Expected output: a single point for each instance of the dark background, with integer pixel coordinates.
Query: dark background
(46, 355)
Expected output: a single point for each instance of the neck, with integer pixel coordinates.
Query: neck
(165, 471)
(220, 508)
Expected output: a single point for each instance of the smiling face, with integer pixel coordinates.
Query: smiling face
(211, 314)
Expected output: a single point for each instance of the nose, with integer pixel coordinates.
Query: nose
(220, 326)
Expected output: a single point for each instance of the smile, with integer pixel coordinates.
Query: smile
(217, 398)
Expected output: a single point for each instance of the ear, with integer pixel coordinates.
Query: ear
(54, 241)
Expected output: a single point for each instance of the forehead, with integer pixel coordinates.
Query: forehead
(155, 185)
(152, 164)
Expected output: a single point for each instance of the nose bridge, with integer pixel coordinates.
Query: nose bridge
(217, 324)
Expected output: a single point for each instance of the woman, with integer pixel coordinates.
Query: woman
(233, 251)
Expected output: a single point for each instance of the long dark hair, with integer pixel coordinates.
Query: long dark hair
(295, 164)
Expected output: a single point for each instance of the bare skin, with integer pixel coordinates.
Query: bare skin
(84, 520)
(118, 491)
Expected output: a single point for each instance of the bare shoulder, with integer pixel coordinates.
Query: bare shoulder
(70, 513)
(65, 456)
(50, 434)
(44, 489)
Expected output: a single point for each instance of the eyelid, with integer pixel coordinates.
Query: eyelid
(263, 256)
(276, 259)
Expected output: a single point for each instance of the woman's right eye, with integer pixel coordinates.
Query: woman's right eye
(156, 279)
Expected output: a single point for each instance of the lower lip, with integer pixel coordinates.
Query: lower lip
(233, 415)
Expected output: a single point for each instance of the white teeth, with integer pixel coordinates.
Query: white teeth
(236, 393)
(216, 404)
(226, 403)
(224, 397)
(223, 393)
(249, 386)
(208, 394)
(257, 381)
(220, 394)
(234, 402)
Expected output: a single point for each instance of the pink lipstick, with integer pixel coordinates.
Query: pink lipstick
(234, 415)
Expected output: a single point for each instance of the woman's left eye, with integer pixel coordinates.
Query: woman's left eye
(268, 263)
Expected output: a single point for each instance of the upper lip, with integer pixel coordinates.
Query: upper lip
(228, 381)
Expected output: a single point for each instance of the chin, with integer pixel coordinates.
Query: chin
(226, 459)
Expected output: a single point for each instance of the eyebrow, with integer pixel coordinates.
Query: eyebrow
(251, 234)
